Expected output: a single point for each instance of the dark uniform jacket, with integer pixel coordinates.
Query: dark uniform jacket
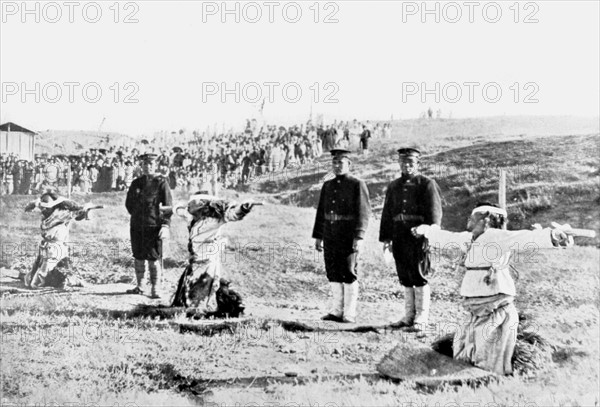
(342, 216)
(144, 196)
(410, 201)
(343, 212)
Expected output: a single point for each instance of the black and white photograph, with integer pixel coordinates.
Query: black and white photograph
(299, 203)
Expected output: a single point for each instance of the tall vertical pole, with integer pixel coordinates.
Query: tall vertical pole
(69, 177)
(502, 191)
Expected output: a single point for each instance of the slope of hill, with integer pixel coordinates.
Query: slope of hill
(76, 142)
(426, 131)
(477, 129)
(549, 178)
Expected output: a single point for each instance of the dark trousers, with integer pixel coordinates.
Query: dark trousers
(145, 243)
(412, 260)
(340, 263)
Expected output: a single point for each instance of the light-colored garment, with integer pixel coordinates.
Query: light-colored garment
(485, 261)
(85, 183)
(129, 170)
(207, 248)
(488, 337)
(53, 247)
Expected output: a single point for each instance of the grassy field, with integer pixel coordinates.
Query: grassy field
(71, 347)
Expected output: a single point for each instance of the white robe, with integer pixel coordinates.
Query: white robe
(207, 246)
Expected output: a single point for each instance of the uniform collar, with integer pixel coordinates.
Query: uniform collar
(407, 178)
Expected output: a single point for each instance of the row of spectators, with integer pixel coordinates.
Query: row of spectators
(207, 161)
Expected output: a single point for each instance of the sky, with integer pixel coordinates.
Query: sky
(144, 66)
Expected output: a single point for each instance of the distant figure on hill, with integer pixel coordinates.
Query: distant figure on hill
(364, 140)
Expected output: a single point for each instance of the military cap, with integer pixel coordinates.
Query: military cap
(148, 157)
(409, 152)
(340, 152)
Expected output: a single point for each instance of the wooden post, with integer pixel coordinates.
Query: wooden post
(69, 176)
(502, 192)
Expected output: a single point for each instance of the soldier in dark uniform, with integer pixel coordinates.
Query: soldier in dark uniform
(342, 218)
(411, 200)
(148, 227)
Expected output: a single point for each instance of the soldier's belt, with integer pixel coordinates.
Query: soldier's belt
(336, 218)
(408, 218)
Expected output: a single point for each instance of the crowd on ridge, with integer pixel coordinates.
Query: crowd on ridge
(219, 160)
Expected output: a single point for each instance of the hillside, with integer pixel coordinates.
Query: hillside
(54, 142)
(549, 178)
(453, 131)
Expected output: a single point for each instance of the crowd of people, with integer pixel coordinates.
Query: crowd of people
(209, 161)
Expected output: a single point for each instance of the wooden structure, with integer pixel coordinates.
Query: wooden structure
(17, 140)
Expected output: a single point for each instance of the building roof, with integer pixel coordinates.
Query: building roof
(9, 126)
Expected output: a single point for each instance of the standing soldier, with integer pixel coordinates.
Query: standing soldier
(148, 228)
(341, 222)
(411, 200)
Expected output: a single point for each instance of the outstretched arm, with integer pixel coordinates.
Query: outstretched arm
(84, 212)
(442, 239)
(237, 212)
(32, 205)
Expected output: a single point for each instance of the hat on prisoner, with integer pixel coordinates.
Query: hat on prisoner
(409, 153)
(50, 199)
(340, 152)
(486, 207)
(201, 199)
(203, 195)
